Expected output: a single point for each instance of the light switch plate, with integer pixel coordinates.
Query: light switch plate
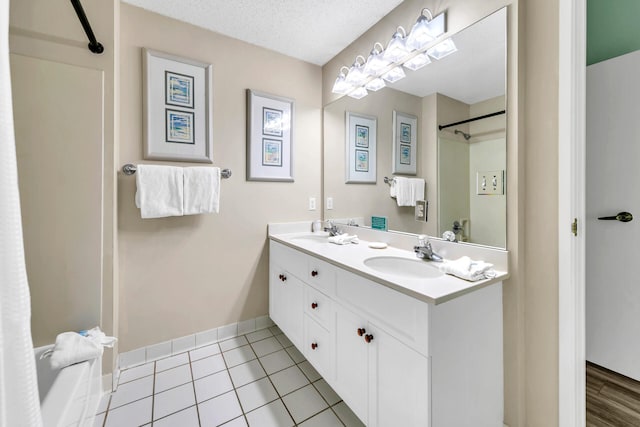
(329, 203)
(490, 182)
(421, 210)
(312, 203)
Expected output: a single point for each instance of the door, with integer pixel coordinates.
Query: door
(613, 186)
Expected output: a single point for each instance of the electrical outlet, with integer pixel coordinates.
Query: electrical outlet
(329, 203)
(312, 203)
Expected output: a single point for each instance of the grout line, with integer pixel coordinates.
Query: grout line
(193, 384)
(153, 391)
(234, 386)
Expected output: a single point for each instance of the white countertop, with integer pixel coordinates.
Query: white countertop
(351, 257)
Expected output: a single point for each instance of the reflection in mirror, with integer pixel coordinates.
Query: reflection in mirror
(467, 84)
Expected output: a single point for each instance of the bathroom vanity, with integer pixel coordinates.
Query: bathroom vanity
(400, 342)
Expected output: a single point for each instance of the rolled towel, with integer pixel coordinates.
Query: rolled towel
(71, 348)
(467, 269)
(344, 239)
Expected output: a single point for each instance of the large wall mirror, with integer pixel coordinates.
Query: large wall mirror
(464, 165)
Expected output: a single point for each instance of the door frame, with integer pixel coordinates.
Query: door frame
(571, 204)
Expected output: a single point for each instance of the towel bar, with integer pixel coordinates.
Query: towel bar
(388, 180)
(130, 169)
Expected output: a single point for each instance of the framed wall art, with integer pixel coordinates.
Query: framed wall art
(178, 108)
(405, 143)
(361, 131)
(269, 137)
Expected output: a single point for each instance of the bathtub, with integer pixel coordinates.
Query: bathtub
(69, 396)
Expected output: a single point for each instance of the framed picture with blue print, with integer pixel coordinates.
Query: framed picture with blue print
(178, 108)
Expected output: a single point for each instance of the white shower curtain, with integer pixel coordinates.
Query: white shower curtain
(19, 402)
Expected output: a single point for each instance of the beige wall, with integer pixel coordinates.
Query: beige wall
(70, 247)
(187, 274)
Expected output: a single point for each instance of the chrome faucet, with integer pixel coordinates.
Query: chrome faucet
(332, 229)
(424, 250)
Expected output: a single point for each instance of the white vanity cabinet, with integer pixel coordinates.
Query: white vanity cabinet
(394, 359)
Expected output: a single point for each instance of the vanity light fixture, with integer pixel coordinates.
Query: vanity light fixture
(341, 86)
(375, 84)
(417, 62)
(425, 30)
(394, 74)
(397, 49)
(358, 93)
(376, 61)
(412, 51)
(356, 75)
(442, 49)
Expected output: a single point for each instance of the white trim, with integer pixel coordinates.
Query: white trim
(571, 204)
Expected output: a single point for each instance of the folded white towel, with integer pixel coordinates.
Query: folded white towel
(159, 191)
(344, 239)
(393, 192)
(201, 190)
(71, 348)
(408, 190)
(467, 269)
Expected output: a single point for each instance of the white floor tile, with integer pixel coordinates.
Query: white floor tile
(256, 394)
(275, 330)
(347, 416)
(172, 378)
(207, 366)
(131, 391)
(266, 346)
(272, 415)
(238, 356)
(212, 386)
(132, 415)
(104, 403)
(172, 362)
(135, 373)
(325, 418)
(295, 354)
(205, 351)
(233, 343)
(246, 373)
(286, 342)
(289, 380)
(237, 422)
(259, 335)
(277, 361)
(185, 418)
(98, 421)
(173, 400)
(327, 392)
(219, 410)
(304, 403)
(309, 371)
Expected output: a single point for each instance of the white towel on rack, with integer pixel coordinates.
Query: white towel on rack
(159, 191)
(408, 190)
(201, 190)
(392, 188)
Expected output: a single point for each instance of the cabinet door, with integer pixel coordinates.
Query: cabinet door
(286, 303)
(352, 373)
(400, 389)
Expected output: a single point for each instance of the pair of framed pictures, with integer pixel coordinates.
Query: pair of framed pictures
(361, 145)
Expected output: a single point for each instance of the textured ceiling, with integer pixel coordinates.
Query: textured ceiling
(311, 30)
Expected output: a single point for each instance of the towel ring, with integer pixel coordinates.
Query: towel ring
(130, 169)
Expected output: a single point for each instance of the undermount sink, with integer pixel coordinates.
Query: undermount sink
(318, 238)
(405, 267)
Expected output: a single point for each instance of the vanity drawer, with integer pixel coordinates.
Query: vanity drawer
(322, 275)
(319, 348)
(293, 261)
(401, 315)
(319, 307)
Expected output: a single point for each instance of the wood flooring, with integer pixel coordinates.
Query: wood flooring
(613, 400)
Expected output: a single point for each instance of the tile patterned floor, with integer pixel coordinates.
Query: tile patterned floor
(259, 380)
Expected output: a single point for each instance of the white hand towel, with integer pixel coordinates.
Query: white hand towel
(408, 190)
(71, 348)
(344, 239)
(201, 190)
(393, 192)
(467, 269)
(159, 191)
